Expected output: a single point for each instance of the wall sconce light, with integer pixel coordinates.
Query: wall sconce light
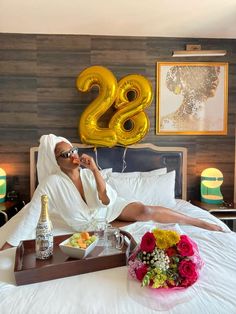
(3, 185)
(195, 51)
(211, 180)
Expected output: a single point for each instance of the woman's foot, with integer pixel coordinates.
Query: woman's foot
(6, 246)
(209, 226)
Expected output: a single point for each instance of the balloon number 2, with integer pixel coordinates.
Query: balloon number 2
(129, 123)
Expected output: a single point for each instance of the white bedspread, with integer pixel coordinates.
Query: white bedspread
(107, 291)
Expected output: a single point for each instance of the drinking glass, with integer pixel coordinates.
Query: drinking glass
(100, 226)
(113, 239)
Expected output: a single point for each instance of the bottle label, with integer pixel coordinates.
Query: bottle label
(44, 240)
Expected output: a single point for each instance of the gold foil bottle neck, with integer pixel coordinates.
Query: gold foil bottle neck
(44, 200)
(44, 209)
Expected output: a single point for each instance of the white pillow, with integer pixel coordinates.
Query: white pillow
(136, 174)
(150, 190)
(105, 173)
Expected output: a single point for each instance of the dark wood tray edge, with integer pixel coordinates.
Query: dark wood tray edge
(28, 276)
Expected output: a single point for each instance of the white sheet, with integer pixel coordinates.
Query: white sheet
(107, 291)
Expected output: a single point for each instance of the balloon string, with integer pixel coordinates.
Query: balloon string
(96, 158)
(124, 164)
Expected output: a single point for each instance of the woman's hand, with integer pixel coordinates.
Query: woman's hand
(88, 162)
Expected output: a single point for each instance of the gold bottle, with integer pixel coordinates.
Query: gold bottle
(44, 235)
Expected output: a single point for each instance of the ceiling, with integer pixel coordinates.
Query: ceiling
(156, 18)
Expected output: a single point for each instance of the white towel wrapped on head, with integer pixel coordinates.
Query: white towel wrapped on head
(47, 164)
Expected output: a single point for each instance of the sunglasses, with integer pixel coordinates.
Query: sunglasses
(69, 153)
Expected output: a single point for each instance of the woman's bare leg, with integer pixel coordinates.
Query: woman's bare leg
(139, 212)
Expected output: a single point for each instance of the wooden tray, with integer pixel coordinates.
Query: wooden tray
(30, 270)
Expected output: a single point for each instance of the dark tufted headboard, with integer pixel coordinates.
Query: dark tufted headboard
(139, 157)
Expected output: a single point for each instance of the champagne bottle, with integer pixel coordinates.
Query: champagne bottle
(44, 235)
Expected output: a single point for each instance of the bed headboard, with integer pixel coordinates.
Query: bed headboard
(138, 157)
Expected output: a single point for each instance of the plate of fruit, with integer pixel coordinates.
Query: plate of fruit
(79, 245)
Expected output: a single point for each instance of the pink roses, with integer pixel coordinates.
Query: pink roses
(141, 272)
(187, 270)
(148, 242)
(165, 259)
(184, 246)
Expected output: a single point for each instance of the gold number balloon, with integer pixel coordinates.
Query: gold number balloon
(89, 130)
(131, 110)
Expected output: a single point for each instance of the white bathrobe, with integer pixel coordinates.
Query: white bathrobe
(65, 201)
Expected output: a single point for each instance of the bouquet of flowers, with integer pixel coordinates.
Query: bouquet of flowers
(165, 259)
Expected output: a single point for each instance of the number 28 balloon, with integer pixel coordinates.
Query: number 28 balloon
(90, 132)
(131, 111)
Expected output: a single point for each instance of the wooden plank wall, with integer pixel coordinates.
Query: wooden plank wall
(38, 96)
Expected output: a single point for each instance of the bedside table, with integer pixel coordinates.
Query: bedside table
(221, 211)
(8, 209)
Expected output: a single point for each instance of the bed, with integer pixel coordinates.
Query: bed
(109, 291)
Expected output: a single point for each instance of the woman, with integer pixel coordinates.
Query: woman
(196, 84)
(79, 195)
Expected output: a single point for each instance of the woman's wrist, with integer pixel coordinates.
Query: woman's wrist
(95, 171)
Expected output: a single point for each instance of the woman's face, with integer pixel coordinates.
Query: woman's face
(67, 156)
(202, 80)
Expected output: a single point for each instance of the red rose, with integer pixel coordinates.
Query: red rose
(170, 251)
(185, 246)
(141, 272)
(187, 270)
(186, 282)
(148, 242)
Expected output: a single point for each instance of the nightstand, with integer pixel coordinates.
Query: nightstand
(8, 209)
(226, 212)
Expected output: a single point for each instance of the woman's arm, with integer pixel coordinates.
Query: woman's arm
(101, 187)
(89, 163)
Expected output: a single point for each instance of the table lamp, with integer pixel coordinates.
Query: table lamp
(211, 180)
(3, 185)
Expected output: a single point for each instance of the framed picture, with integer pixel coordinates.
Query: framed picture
(192, 98)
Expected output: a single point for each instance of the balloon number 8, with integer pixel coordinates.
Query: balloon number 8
(127, 111)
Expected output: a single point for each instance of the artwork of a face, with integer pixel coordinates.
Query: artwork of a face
(190, 81)
(192, 98)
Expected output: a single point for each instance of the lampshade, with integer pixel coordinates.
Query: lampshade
(3, 185)
(211, 180)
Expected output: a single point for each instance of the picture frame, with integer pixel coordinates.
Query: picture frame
(192, 98)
